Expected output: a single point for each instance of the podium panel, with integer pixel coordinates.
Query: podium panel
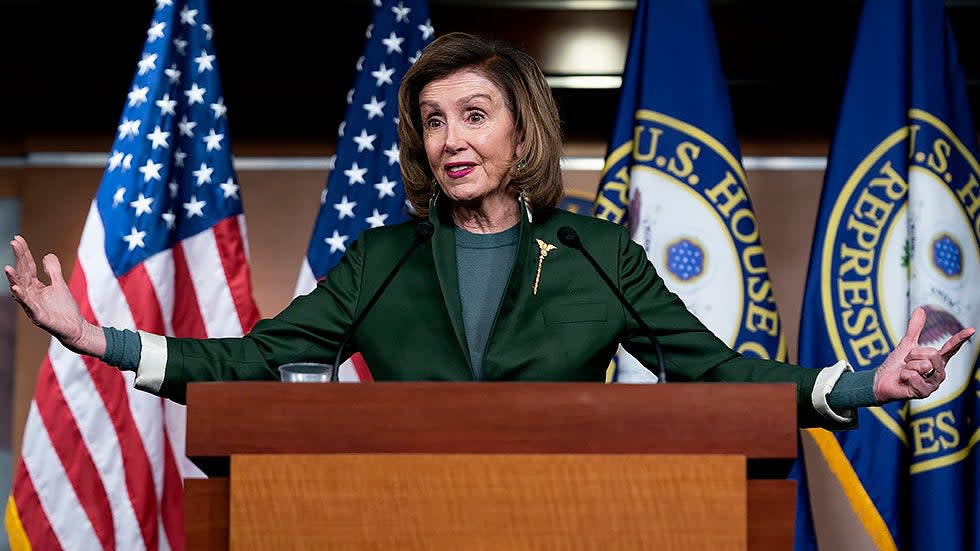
(488, 501)
(490, 465)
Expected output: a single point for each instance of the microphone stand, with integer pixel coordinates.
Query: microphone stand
(423, 231)
(569, 237)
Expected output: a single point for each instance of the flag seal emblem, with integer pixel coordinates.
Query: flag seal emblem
(685, 259)
(947, 255)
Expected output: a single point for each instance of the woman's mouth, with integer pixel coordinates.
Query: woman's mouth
(458, 171)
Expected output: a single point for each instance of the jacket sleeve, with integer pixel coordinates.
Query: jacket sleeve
(309, 329)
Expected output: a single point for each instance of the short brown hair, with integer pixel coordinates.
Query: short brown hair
(528, 97)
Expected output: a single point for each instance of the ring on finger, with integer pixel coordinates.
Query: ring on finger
(930, 373)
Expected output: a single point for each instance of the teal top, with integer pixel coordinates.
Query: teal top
(483, 262)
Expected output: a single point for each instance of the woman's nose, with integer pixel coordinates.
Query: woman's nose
(455, 138)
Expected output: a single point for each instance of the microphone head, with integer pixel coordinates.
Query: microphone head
(424, 230)
(569, 237)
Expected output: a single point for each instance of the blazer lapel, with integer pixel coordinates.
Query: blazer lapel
(444, 259)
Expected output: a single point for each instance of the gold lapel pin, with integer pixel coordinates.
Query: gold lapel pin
(544, 248)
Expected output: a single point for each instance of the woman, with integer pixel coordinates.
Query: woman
(493, 295)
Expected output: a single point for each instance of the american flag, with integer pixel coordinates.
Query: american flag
(364, 189)
(164, 250)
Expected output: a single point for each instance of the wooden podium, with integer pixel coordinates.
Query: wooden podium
(490, 466)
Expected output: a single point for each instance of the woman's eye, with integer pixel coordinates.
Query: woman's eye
(476, 117)
(432, 123)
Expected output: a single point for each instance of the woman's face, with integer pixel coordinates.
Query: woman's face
(469, 135)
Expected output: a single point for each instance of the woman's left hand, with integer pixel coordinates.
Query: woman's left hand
(913, 371)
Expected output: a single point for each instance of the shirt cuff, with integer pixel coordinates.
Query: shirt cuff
(153, 362)
(826, 380)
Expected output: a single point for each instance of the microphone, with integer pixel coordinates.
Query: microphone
(569, 237)
(423, 231)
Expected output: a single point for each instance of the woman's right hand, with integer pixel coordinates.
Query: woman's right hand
(51, 307)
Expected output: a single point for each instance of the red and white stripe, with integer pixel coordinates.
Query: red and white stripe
(102, 464)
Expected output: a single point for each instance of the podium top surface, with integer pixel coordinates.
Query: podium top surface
(757, 420)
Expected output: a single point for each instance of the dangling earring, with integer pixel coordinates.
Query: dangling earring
(522, 197)
(521, 165)
(433, 199)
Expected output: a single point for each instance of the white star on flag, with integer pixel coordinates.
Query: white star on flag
(195, 207)
(158, 138)
(375, 108)
(376, 219)
(382, 76)
(166, 105)
(345, 208)
(147, 64)
(135, 239)
(195, 94)
(355, 174)
(230, 188)
(128, 128)
(213, 141)
(186, 127)
(393, 43)
(138, 95)
(219, 108)
(154, 32)
(115, 160)
(336, 242)
(203, 174)
(142, 205)
(204, 62)
(392, 154)
(386, 187)
(151, 170)
(365, 141)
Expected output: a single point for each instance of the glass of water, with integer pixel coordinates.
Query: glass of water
(305, 372)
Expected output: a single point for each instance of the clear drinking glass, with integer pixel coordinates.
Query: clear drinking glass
(305, 372)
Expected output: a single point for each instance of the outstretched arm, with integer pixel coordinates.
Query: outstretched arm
(51, 307)
(913, 371)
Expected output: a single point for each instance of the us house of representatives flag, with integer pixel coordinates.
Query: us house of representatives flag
(163, 249)
(364, 188)
(898, 228)
(673, 173)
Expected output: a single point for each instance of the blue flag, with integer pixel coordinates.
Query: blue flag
(364, 189)
(897, 229)
(673, 172)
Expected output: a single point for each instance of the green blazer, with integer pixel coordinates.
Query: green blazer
(567, 331)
